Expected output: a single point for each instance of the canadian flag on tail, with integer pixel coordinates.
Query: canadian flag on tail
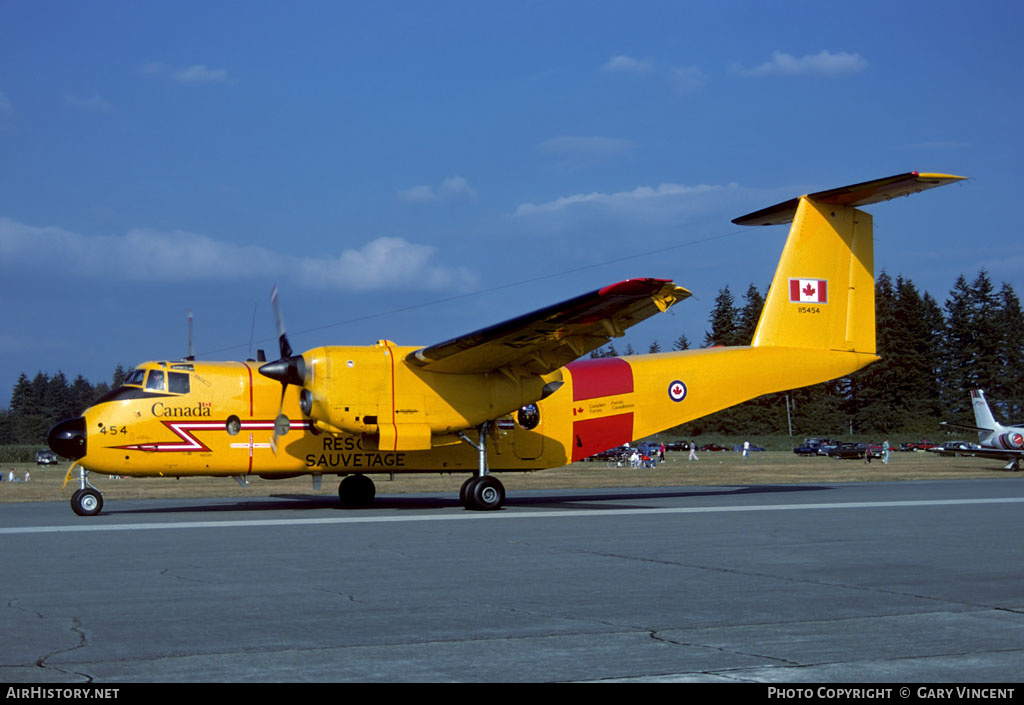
(814, 291)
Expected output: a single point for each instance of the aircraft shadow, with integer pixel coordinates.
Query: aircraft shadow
(561, 499)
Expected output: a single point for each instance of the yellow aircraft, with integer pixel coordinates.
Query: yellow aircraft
(512, 397)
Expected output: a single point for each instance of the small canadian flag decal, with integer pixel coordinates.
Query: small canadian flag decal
(814, 291)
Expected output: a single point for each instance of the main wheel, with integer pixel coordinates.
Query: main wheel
(87, 502)
(356, 491)
(483, 493)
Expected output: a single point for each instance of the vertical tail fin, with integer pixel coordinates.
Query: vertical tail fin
(823, 293)
(983, 417)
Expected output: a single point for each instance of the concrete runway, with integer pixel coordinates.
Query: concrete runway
(894, 583)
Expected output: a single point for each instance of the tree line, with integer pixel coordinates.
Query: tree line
(931, 356)
(39, 402)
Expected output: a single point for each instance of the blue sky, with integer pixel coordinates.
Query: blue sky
(418, 170)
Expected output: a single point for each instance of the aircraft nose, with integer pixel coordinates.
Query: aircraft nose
(67, 438)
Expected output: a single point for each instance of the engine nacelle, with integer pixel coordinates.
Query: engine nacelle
(371, 391)
(1014, 440)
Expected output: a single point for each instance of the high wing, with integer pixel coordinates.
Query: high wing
(541, 342)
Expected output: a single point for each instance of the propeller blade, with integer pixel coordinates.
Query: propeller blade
(288, 369)
(282, 336)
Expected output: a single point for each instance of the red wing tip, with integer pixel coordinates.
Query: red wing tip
(632, 287)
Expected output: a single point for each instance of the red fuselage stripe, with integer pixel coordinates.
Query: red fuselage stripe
(600, 377)
(594, 435)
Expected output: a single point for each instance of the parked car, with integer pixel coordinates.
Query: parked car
(712, 447)
(46, 457)
(917, 445)
(955, 446)
(610, 454)
(815, 446)
(849, 451)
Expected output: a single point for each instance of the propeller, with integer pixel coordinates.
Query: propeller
(288, 369)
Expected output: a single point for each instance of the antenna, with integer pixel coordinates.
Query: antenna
(191, 348)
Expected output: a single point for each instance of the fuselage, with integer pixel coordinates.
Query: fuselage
(184, 418)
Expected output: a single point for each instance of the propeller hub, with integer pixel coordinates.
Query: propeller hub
(287, 370)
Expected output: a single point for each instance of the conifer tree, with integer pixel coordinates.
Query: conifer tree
(724, 321)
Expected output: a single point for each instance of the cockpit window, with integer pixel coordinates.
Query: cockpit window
(177, 382)
(155, 381)
(135, 378)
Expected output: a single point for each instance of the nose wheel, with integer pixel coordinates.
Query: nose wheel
(87, 501)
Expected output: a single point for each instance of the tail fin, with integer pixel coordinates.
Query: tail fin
(982, 414)
(823, 293)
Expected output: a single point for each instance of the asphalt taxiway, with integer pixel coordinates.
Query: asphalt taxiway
(888, 582)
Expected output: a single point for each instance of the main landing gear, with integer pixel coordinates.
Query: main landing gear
(87, 501)
(482, 492)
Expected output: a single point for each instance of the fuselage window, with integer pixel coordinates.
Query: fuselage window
(155, 381)
(177, 382)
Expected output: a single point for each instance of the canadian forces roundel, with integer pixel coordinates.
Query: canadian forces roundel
(677, 391)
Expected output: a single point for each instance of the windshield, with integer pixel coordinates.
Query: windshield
(135, 378)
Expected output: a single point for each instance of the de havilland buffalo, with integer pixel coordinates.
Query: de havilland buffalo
(516, 396)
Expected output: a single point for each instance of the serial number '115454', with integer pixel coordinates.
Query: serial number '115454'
(808, 309)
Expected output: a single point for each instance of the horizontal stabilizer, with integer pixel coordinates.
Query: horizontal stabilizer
(862, 194)
(964, 427)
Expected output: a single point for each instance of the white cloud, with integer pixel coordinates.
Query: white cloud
(451, 187)
(384, 262)
(824, 63)
(197, 73)
(174, 256)
(621, 64)
(687, 79)
(639, 199)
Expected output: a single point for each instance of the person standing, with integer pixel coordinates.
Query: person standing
(885, 452)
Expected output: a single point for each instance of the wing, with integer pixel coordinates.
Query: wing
(542, 341)
(994, 453)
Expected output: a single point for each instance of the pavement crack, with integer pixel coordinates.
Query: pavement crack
(76, 628)
(654, 634)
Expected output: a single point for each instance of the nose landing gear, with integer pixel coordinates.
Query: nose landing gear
(87, 501)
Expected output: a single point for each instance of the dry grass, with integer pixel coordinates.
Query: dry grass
(725, 468)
